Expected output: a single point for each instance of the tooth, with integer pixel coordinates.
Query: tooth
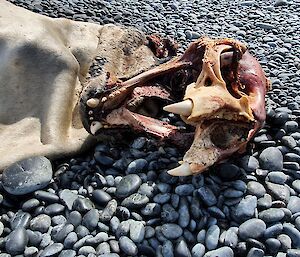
(183, 108)
(183, 170)
(92, 102)
(95, 126)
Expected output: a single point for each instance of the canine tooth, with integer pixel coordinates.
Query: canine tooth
(183, 108)
(183, 170)
(104, 99)
(95, 126)
(93, 102)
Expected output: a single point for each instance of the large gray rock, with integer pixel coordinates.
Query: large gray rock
(27, 176)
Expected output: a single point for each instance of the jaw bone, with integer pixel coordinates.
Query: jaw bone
(183, 108)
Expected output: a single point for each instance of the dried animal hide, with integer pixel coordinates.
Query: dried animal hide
(44, 66)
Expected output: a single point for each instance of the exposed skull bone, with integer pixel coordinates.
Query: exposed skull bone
(223, 88)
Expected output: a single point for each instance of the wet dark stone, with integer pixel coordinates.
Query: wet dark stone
(271, 215)
(207, 196)
(171, 230)
(46, 196)
(224, 251)
(54, 209)
(82, 205)
(137, 166)
(101, 197)
(252, 228)
(20, 219)
(91, 219)
(62, 233)
(40, 223)
(109, 211)
(30, 204)
(128, 246)
(52, 250)
(212, 237)
(128, 185)
(271, 159)
(16, 241)
(27, 176)
(135, 200)
(182, 250)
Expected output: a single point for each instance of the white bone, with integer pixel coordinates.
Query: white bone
(183, 108)
(95, 126)
(183, 170)
(93, 102)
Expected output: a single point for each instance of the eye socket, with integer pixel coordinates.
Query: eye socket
(207, 82)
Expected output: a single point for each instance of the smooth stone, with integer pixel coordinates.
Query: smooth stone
(20, 219)
(101, 197)
(182, 250)
(224, 251)
(168, 213)
(27, 175)
(16, 241)
(40, 223)
(86, 250)
(75, 218)
(198, 250)
(151, 209)
(207, 196)
(137, 231)
(128, 246)
(279, 192)
(231, 238)
(62, 233)
(271, 215)
(277, 177)
(31, 251)
(128, 185)
(294, 204)
(91, 219)
(135, 200)
(54, 209)
(255, 252)
(103, 159)
(70, 240)
(249, 163)
(252, 228)
(59, 219)
(52, 250)
(67, 253)
(293, 253)
(46, 196)
(35, 237)
(97, 239)
(162, 198)
(167, 249)
(245, 209)
(137, 166)
(273, 245)
(171, 230)
(184, 190)
(109, 211)
(286, 242)
(296, 185)
(212, 237)
(271, 159)
(82, 231)
(293, 233)
(255, 188)
(30, 204)
(82, 205)
(227, 171)
(273, 230)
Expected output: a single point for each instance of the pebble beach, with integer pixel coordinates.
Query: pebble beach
(118, 200)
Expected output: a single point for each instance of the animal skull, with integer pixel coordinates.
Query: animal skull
(223, 90)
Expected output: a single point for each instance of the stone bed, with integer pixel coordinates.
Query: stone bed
(118, 200)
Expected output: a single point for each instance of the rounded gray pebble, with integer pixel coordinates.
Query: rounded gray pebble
(128, 246)
(27, 175)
